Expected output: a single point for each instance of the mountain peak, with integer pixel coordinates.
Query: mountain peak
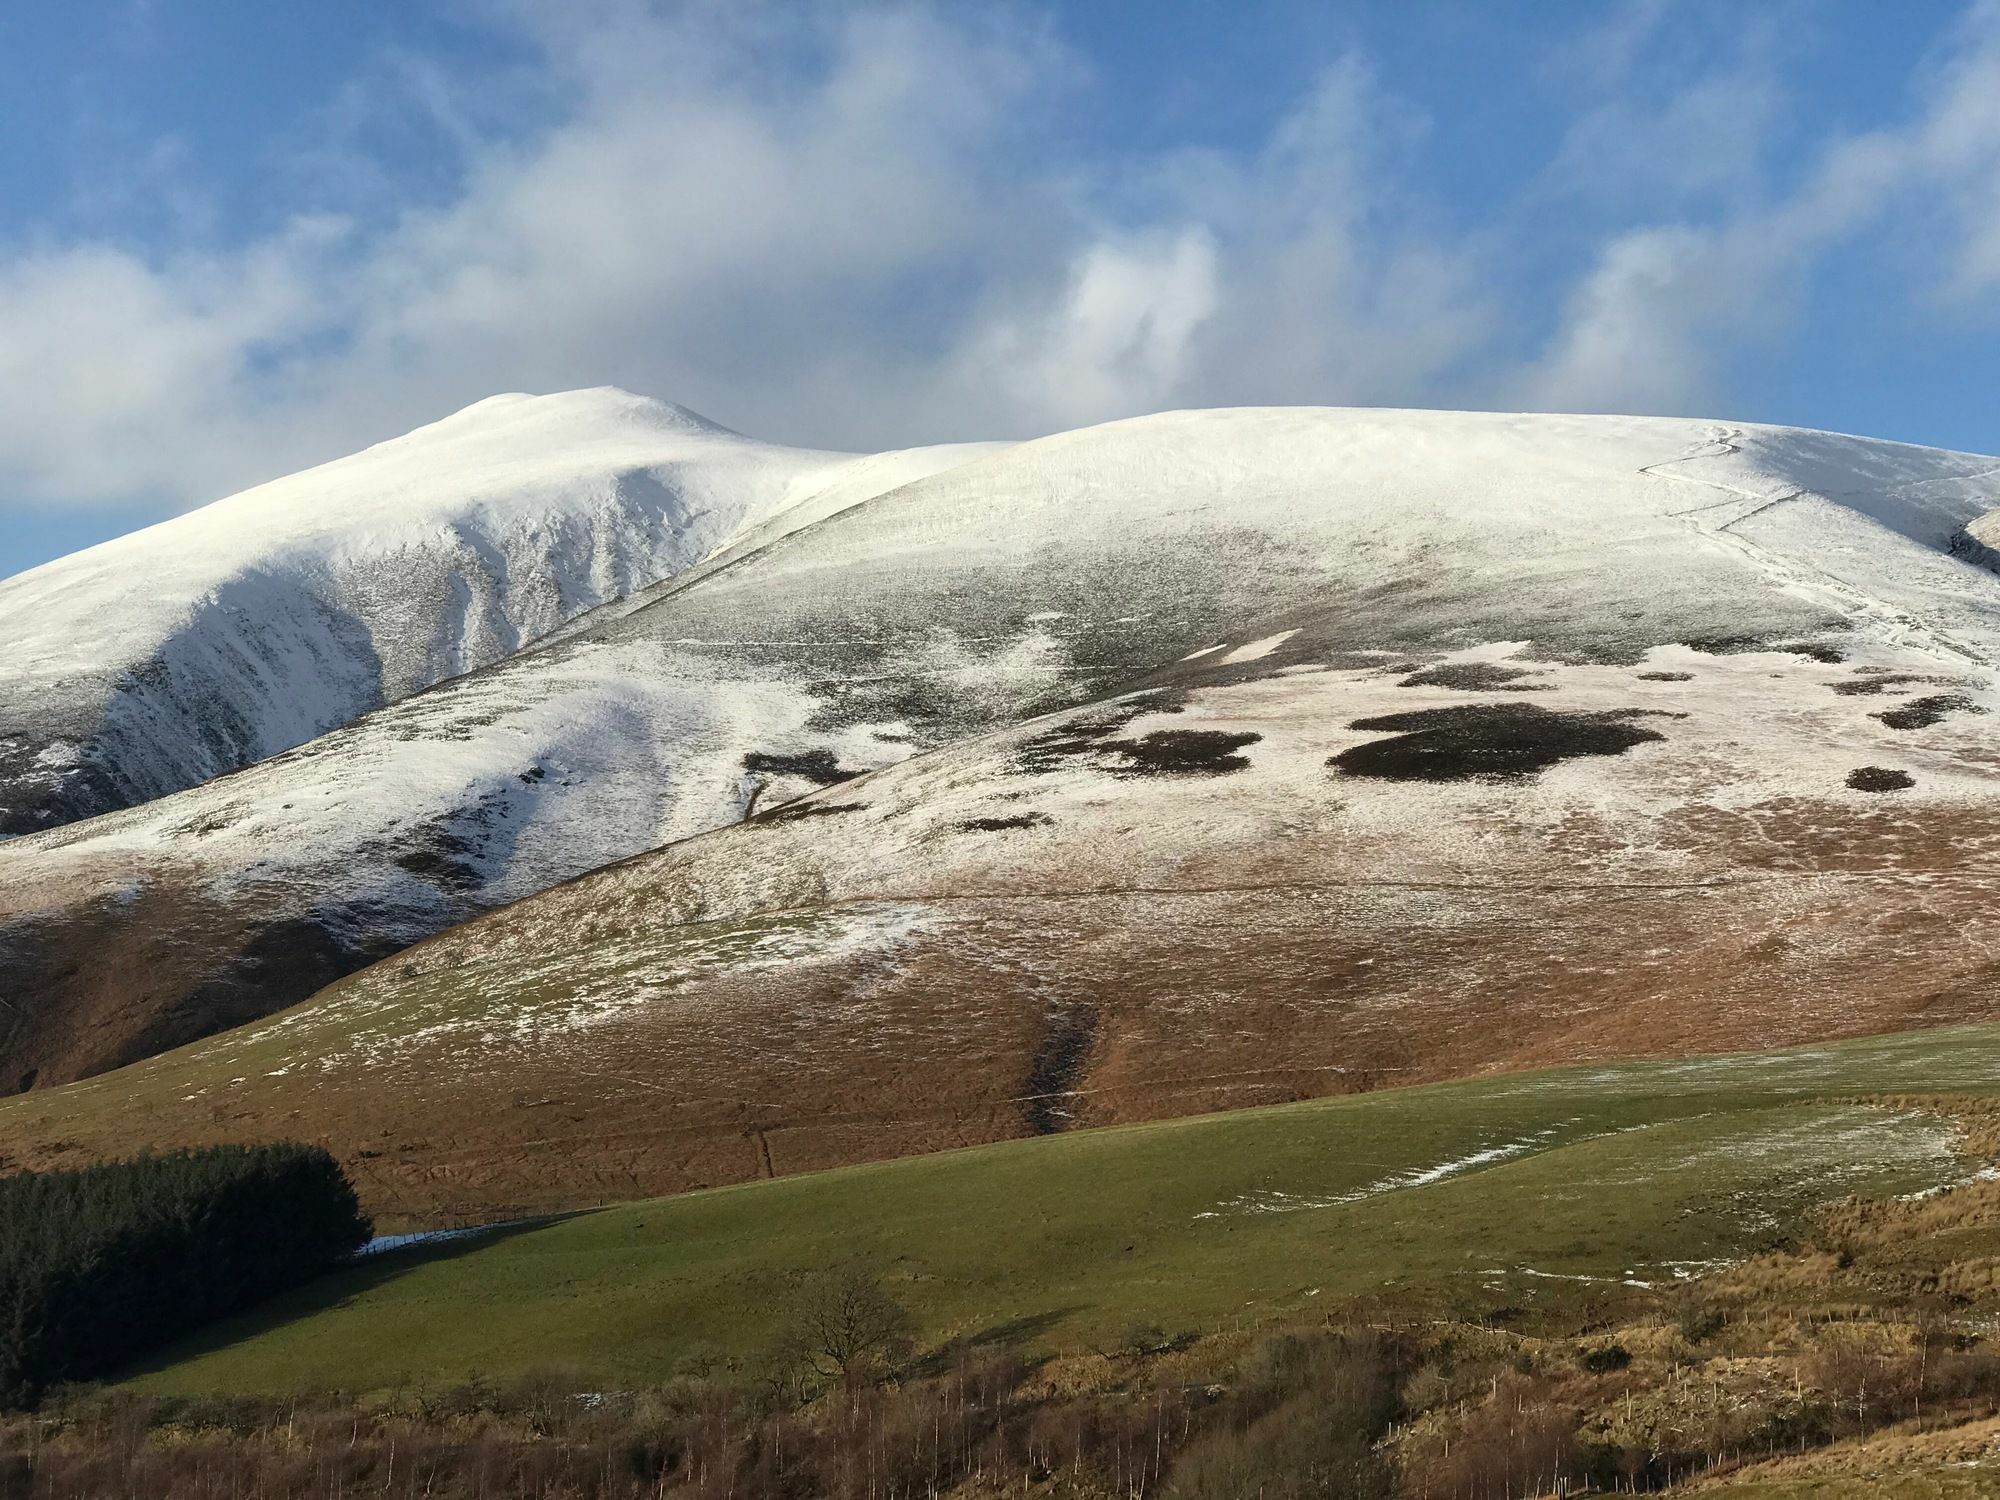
(588, 404)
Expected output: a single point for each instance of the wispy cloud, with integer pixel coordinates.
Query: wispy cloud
(861, 227)
(1665, 305)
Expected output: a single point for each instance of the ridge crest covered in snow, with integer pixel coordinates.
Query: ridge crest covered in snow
(223, 636)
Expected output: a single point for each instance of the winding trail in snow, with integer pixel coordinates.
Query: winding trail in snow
(1888, 622)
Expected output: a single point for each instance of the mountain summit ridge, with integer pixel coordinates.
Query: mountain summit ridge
(290, 608)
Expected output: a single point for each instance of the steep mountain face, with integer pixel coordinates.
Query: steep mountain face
(1196, 760)
(209, 642)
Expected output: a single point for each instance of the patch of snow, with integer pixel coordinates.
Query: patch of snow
(383, 1243)
(1626, 1280)
(1274, 1201)
(1257, 650)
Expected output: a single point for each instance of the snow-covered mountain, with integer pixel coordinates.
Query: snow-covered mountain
(211, 641)
(1264, 748)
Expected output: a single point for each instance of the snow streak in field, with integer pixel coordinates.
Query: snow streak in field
(1274, 1201)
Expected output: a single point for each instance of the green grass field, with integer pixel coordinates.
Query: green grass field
(1548, 1191)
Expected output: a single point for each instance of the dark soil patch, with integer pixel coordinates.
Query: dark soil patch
(445, 850)
(1921, 713)
(442, 865)
(1879, 779)
(1831, 655)
(1059, 1065)
(1964, 544)
(1737, 645)
(1666, 677)
(1476, 677)
(1486, 741)
(1181, 752)
(792, 812)
(1086, 734)
(1869, 687)
(999, 825)
(817, 766)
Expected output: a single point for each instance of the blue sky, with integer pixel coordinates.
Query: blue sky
(238, 238)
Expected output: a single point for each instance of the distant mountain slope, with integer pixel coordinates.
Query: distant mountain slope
(211, 641)
(1377, 745)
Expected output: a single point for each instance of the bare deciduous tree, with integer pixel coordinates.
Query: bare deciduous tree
(844, 1322)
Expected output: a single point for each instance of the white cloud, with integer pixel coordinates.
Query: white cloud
(117, 377)
(1293, 275)
(1666, 305)
(1117, 339)
(822, 233)
(1632, 336)
(863, 227)
(1960, 147)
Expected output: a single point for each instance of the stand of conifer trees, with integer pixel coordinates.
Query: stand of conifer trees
(99, 1265)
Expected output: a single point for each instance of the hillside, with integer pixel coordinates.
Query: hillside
(1200, 760)
(1642, 1177)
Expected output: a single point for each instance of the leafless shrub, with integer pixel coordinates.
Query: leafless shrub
(845, 1325)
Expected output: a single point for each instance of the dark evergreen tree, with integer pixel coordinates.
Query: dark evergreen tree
(102, 1264)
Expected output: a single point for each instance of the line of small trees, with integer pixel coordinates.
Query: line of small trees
(102, 1264)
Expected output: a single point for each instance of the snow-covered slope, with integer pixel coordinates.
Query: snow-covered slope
(1480, 660)
(210, 641)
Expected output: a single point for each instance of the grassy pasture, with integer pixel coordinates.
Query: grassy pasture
(1544, 1195)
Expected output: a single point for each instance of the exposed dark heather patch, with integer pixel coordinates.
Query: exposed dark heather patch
(1921, 713)
(1738, 645)
(1868, 687)
(1486, 741)
(1725, 645)
(792, 812)
(813, 765)
(459, 727)
(1476, 677)
(1181, 752)
(1818, 651)
(998, 825)
(1666, 677)
(1964, 544)
(445, 850)
(1086, 733)
(442, 866)
(203, 824)
(1879, 779)
(283, 964)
